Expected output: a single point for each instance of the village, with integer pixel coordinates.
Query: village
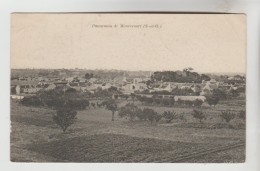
(29, 85)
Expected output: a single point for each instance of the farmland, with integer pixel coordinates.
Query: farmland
(94, 138)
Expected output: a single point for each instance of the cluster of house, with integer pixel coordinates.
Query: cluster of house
(29, 85)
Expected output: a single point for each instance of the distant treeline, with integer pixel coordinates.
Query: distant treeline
(185, 76)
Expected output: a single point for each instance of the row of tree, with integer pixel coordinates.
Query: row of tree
(131, 112)
(185, 76)
(226, 116)
(170, 101)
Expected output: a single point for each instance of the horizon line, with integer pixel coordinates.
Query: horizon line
(76, 68)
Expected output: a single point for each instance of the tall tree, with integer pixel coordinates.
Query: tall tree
(112, 106)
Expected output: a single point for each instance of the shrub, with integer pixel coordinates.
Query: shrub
(31, 101)
(172, 101)
(166, 101)
(188, 103)
(130, 111)
(221, 94)
(157, 100)
(169, 116)
(78, 104)
(93, 104)
(64, 118)
(181, 117)
(227, 116)
(198, 103)
(151, 115)
(141, 115)
(242, 114)
(199, 115)
(148, 100)
(212, 100)
(233, 93)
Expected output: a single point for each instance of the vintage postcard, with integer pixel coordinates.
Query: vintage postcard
(128, 87)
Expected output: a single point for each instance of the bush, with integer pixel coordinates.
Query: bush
(181, 117)
(188, 103)
(198, 103)
(172, 101)
(227, 116)
(157, 100)
(166, 101)
(199, 115)
(212, 100)
(221, 94)
(93, 104)
(151, 115)
(77, 104)
(169, 116)
(233, 93)
(130, 111)
(148, 100)
(180, 102)
(141, 116)
(64, 118)
(242, 114)
(32, 101)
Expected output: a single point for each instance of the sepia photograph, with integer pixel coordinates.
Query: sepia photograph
(128, 88)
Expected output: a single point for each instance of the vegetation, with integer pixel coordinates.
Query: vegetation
(199, 115)
(64, 118)
(112, 106)
(227, 116)
(242, 114)
(66, 102)
(89, 75)
(130, 110)
(219, 94)
(151, 115)
(212, 100)
(31, 101)
(198, 103)
(185, 76)
(169, 116)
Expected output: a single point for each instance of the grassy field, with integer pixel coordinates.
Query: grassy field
(94, 138)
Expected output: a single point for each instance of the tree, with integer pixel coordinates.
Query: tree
(130, 110)
(65, 117)
(148, 83)
(219, 93)
(227, 116)
(112, 106)
(88, 75)
(205, 77)
(212, 100)
(66, 102)
(151, 115)
(169, 116)
(199, 115)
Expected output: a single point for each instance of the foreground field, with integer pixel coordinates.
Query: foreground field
(94, 138)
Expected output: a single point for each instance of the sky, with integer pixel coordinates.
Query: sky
(206, 42)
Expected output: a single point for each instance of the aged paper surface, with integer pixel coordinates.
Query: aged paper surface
(128, 87)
